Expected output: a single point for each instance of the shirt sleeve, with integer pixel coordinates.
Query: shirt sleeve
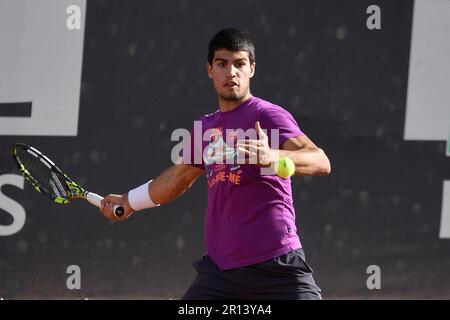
(276, 119)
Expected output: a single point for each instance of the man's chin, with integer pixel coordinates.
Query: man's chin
(231, 97)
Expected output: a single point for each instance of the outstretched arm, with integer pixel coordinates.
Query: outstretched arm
(309, 159)
(169, 185)
(173, 182)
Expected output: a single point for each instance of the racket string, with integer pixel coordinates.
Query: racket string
(45, 177)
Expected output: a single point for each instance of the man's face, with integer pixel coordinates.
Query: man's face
(231, 73)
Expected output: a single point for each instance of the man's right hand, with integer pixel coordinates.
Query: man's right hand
(108, 203)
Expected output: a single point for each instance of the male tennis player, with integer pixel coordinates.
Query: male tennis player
(252, 247)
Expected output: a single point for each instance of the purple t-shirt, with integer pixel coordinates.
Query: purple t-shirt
(250, 217)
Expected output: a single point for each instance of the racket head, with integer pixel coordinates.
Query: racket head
(44, 175)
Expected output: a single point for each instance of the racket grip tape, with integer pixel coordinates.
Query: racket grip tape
(96, 200)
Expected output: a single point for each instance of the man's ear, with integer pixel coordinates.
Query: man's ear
(252, 69)
(208, 70)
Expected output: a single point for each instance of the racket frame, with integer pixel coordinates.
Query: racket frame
(75, 190)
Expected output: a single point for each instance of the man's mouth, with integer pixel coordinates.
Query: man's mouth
(231, 84)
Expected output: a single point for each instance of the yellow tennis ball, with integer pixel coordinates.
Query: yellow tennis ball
(285, 167)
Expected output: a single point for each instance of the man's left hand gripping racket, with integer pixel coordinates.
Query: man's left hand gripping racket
(47, 178)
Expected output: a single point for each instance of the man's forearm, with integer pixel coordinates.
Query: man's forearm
(173, 182)
(308, 161)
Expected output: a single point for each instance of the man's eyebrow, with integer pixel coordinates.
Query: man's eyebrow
(225, 60)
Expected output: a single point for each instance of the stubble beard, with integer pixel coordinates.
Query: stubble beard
(235, 96)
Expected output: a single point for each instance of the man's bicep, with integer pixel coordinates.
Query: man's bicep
(297, 143)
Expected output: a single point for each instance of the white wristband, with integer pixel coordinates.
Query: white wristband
(139, 198)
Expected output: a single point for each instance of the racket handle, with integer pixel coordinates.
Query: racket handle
(96, 200)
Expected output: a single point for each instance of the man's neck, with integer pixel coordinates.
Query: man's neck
(228, 105)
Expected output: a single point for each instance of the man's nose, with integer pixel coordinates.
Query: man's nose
(232, 70)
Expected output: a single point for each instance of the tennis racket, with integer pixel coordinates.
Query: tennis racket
(48, 179)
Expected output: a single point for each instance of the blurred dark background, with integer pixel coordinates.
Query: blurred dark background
(144, 75)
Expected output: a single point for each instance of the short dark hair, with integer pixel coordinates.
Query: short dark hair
(232, 40)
